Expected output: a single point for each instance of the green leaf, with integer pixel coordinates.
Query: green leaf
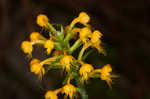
(60, 34)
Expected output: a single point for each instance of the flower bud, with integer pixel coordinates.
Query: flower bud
(49, 44)
(35, 36)
(26, 46)
(42, 20)
(83, 18)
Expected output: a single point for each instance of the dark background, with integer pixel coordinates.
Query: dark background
(126, 28)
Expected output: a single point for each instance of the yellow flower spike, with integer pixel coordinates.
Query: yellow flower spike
(42, 20)
(105, 74)
(84, 34)
(51, 95)
(85, 70)
(83, 18)
(37, 69)
(27, 48)
(66, 62)
(69, 90)
(49, 45)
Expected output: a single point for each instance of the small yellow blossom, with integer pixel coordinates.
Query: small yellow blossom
(69, 90)
(51, 95)
(42, 20)
(96, 42)
(85, 70)
(83, 18)
(105, 74)
(66, 62)
(26, 46)
(84, 34)
(49, 44)
(38, 69)
(35, 36)
(95, 37)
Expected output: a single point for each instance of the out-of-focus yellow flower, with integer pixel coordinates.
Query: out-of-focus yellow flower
(96, 42)
(42, 20)
(83, 18)
(33, 61)
(85, 34)
(69, 90)
(66, 62)
(37, 68)
(26, 46)
(51, 95)
(85, 70)
(56, 53)
(35, 36)
(49, 45)
(105, 74)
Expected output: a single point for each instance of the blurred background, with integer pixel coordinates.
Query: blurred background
(126, 28)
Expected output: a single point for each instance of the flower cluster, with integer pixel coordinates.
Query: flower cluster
(60, 50)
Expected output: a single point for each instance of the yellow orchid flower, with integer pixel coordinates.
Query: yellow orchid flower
(83, 18)
(69, 90)
(37, 68)
(85, 70)
(65, 61)
(85, 34)
(52, 94)
(105, 74)
(27, 48)
(36, 36)
(49, 45)
(96, 42)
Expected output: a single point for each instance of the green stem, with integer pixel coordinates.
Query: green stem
(38, 42)
(68, 37)
(75, 46)
(83, 93)
(52, 29)
(69, 33)
(86, 54)
(82, 51)
(81, 89)
(51, 59)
